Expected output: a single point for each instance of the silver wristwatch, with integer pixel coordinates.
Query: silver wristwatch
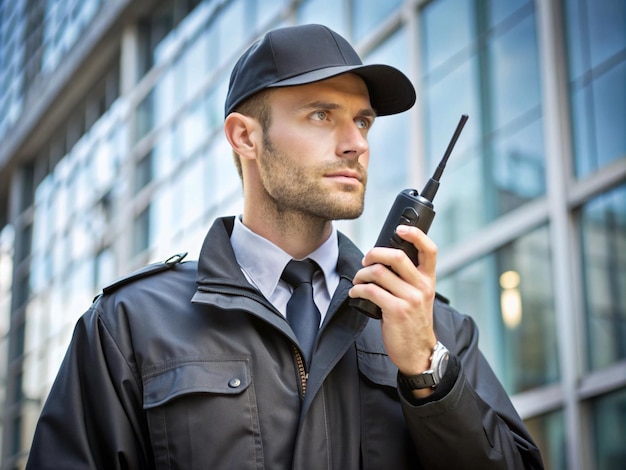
(429, 378)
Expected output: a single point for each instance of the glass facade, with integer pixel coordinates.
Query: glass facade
(133, 167)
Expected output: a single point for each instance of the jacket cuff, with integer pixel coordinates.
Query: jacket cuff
(443, 388)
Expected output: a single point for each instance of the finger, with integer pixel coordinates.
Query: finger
(376, 282)
(426, 248)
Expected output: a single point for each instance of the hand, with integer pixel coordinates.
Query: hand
(406, 294)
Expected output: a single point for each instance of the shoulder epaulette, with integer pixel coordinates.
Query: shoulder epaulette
(146, 271)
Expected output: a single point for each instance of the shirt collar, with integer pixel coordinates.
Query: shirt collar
(263, 262)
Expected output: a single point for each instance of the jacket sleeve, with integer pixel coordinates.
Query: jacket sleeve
(93, 416)
(475, 423)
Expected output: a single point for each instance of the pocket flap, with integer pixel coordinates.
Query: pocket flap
(225, 377)
(377, 368)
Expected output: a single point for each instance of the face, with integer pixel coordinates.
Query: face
(315, 152)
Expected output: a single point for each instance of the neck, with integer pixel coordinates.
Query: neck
(294, 232)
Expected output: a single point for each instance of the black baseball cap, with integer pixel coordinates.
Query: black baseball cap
(303, 54)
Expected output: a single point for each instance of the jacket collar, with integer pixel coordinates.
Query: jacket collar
(218, 263)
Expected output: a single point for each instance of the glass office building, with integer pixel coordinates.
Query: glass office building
(112, 156)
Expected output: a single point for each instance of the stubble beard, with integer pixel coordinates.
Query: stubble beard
(298, 190)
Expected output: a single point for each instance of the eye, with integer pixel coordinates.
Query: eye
(319, 115)
(363, 123)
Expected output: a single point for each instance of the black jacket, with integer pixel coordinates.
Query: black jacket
(191, 367)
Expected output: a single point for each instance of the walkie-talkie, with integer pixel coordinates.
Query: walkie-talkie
(410, 208)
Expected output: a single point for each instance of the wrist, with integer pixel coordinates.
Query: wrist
(429, 378)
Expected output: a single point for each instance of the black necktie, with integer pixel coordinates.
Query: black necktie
(302, 313)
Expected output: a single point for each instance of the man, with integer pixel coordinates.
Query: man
(187, 365)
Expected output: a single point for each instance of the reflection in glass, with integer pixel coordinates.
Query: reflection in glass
(509, 294)
(603, 237)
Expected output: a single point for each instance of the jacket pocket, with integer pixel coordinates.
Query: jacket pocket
(202, 413)
(372, 358)
(228, 377)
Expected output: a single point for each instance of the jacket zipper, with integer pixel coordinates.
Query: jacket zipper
(301, 370)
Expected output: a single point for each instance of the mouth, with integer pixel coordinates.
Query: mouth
(345, 176)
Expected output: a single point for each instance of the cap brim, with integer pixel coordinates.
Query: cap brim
(390, 91)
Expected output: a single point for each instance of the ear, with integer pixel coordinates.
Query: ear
(244, 134)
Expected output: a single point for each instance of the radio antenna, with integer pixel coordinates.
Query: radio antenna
(430, 190)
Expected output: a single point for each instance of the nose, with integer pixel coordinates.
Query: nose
(352, 141)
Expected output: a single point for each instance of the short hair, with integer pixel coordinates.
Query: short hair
(256, 107)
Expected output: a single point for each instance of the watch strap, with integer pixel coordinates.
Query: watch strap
(416, 382)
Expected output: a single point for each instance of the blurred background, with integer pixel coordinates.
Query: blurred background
(112, 156)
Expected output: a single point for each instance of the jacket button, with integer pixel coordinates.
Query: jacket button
(234, 383)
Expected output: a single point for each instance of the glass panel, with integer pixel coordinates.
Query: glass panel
(548, 432)
(196, 60)
(104, 267)
(144, 117)
(232, 28)
(161, 24)
(267, 9)
(518, 167)
(603, 235)
(606, 23)
(609, 115)
(609, 423)
(448, 28)
(164, 158)
(596, 42)
(514, 73)
(511, 300)
(164, 104)
(368, 14)
(191, 188)
(162, 207)
(327, 12)
(141, 232)
(143, 172)
(193, 128)
(499, 10)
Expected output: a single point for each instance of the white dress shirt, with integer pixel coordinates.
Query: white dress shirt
(262, 262)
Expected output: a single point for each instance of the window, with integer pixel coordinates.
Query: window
(603, 237)
(596, 42)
